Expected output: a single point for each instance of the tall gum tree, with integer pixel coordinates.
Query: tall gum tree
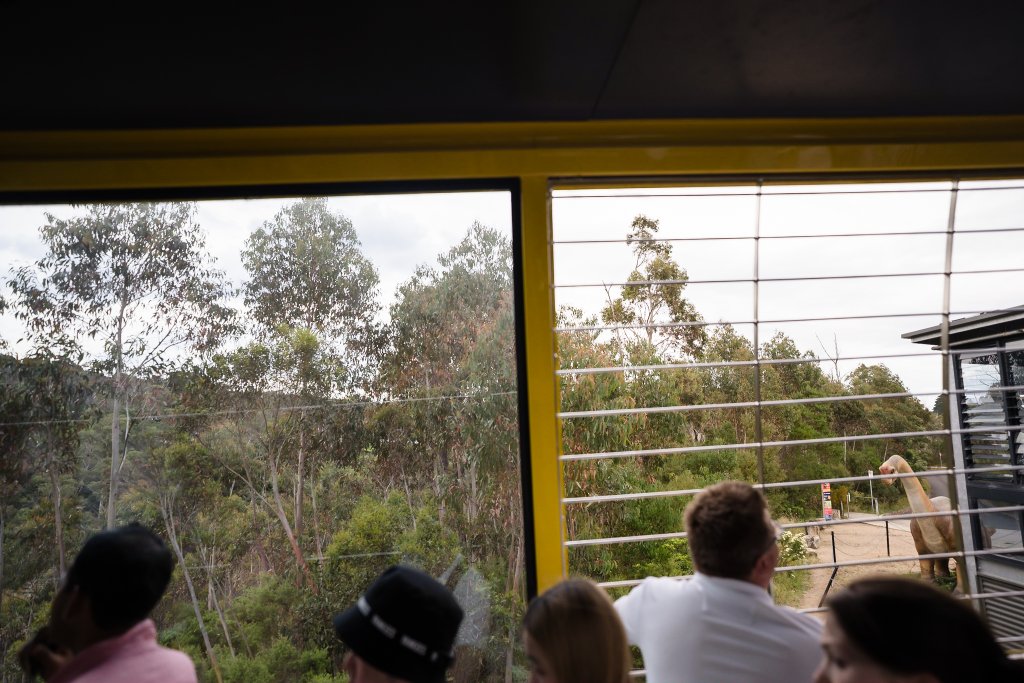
(131, 286)
(657, 298)
(312, 297)
(452, 355)
(57, 396)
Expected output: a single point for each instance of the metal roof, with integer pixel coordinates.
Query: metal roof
(986, 327)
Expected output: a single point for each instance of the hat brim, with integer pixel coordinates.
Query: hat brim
(380, 652)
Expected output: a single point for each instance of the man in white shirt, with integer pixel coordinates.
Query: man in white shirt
(721, 625)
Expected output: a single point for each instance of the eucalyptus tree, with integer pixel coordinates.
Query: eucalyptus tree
(311, 291)
(130, 286)
(653, 295)
(451, 426)
(176, 479)
(445, 355)
(15, 465)
(257, 381)
(46, 401)
(306, 270)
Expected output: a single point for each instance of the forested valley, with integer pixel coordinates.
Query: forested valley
(289, 439)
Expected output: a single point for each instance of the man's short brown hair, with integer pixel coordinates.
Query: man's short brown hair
(728, 529)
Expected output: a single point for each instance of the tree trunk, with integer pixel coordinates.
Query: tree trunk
(173, 537)
(473, 504)
(283, 518)
(316, 523)
(115, 452)
(58, 517)
(298, 480)
(216, 603)
(516, 561)
(2, 521)
(261, 550)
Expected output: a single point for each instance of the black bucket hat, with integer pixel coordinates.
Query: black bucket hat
(405, 625)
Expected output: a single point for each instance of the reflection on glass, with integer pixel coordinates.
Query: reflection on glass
(1015, 363)
(984, 409)
(1000, 530)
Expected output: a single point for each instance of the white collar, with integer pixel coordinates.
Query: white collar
(734, 585)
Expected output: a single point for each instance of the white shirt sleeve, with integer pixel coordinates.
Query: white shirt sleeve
(631, 610)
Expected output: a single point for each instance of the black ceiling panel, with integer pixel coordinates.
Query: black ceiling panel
(812, 58)
(93, 66)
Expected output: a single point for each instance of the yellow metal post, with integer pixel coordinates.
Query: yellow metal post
(541, 382)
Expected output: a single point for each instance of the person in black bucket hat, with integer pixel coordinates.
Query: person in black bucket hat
(403, 628)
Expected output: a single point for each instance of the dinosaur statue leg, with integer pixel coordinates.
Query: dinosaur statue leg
(927, 566)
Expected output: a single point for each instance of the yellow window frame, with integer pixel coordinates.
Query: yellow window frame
(540, 155)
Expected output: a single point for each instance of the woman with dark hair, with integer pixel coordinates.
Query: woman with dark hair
(888, 630)
(572, 634)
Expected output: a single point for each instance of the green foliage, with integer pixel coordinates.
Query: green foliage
(655, 303)
(792, 550)
(306, 269)
(136, 276)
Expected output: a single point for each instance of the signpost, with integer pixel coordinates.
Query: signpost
(826, 502)
(871, 491)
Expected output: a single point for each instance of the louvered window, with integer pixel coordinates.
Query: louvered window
(991, 411)
(984, 408)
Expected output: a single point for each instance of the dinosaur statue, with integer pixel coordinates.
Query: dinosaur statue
(931, 534)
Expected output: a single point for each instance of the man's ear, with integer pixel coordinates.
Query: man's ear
(764, 568)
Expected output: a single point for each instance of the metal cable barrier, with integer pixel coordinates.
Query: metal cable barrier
(797, 336)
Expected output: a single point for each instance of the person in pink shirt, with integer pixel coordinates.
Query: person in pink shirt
(99, 630)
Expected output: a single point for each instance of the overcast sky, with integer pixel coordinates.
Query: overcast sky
(688, 214)
(400, 232)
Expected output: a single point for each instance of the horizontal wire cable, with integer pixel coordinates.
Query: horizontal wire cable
(643, 538)
(742, 404)
(974, 597)
(713, 238)
(626, 583)
(937, 353)
(796, 278)
(753, 192)
(566, 372)
(341, 405)
(952, 555)
(775, 321)
(677, 450)
(788, 484)
(775, 402)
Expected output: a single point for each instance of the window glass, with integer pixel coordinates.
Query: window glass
(984, 414)
(297, 394)
(1015, 364)
(999, 530)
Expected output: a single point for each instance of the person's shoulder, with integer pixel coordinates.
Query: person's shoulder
(798, 621)
(178, 666)
(664, 585)
(653, 591)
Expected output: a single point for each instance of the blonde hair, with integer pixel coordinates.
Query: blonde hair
(579, 631)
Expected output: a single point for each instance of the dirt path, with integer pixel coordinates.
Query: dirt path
(859, 541)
